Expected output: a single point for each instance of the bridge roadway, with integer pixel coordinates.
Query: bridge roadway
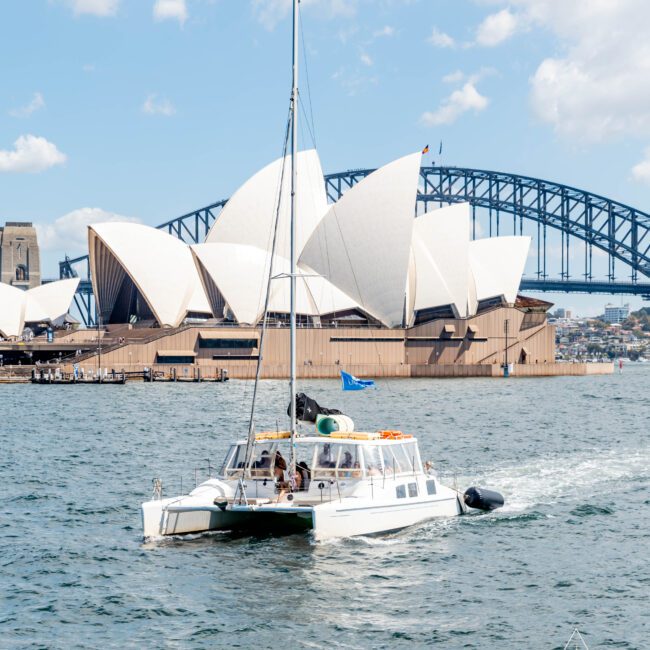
(504, 203)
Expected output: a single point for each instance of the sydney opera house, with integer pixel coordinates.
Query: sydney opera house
(381, 290)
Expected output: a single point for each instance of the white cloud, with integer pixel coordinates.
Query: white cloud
(30, 154)
(270, 12)
(384, 31)
(153, 106)
(497, 28)
(88, 67)
(170, 10)
(25, 111)
(460, 101)
(641, 171)
(68, 233)
(94, 7)
(353, 81)
(596, 88)
(440, 39)
(366, 59)
(454, 77)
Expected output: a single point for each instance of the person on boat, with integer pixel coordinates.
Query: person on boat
(263, 463)
(346, 464)
(371, 470)
(303, 470)
(265, 460)
(280, 466)
(296, 484)
(325, 456)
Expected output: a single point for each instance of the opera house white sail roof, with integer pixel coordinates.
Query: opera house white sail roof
(366, 254)
(362, 245)
(239, 274)
(132, 263)
(43, 304)
(249, 216)
(12, 311)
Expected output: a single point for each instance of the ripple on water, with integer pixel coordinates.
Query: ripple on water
(569, 454)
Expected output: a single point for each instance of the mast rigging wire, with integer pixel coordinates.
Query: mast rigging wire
(260, 358)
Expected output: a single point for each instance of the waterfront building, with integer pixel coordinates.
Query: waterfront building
(381, 290)
(378, 292)
(615, 314)
(20, 263)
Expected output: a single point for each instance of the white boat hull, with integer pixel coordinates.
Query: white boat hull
(345, 517)
(348, 520)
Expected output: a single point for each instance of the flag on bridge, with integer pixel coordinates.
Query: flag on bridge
(350, 382)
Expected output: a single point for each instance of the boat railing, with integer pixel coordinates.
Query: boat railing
(200, 470)
(157, 493)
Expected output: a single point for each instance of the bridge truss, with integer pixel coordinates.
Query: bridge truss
(582, 242)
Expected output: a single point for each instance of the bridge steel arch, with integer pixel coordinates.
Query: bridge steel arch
(506, 202)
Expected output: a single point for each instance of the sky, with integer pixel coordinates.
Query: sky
(147, 109)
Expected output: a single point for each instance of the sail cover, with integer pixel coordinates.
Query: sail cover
(307, 409)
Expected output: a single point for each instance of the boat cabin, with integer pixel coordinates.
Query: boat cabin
(325, 458)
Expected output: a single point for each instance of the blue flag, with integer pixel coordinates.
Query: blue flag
(350, 382)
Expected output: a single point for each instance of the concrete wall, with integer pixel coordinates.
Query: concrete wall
(448, 347)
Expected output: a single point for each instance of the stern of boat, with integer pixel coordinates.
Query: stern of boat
(191, 513)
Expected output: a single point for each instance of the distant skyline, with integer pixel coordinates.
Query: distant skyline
(117, 109)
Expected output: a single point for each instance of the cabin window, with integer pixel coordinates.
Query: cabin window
(400, 492)
(413, 489)
(224, 465)
(325, 458)
(403, 458)
(236, 463)
(391, 466)
(396, 459)
(349, 464)
(261, 465)
(372, 460)
(431, 486)
(411, 451)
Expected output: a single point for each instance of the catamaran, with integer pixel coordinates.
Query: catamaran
(335, 481)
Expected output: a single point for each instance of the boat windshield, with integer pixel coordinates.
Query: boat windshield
(336, 459)
(233, 464)
(266, 456)
(401, 458)
(372, 460)
(262, 462)
(328, 459)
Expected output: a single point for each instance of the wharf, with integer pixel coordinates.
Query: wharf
(56, 376)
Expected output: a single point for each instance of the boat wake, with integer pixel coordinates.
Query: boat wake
(546, 481)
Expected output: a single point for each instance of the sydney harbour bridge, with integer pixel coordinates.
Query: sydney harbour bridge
(581, 242)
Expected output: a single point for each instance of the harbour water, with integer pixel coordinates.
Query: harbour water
(571, 455)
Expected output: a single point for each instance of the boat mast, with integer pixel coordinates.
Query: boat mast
(294, 185)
